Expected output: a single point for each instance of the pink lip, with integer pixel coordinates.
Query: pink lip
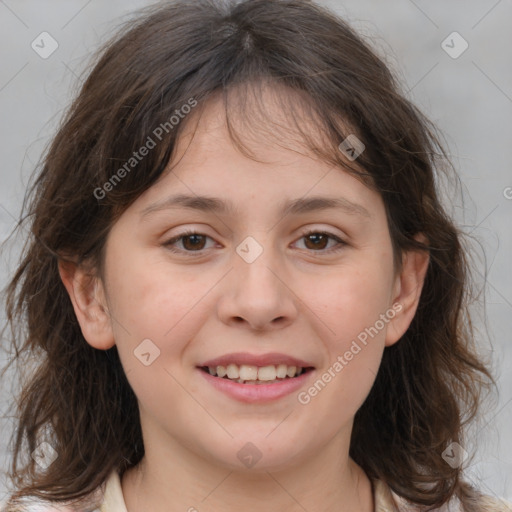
(251, 393)
(240, 358)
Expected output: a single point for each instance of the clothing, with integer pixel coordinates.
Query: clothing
(109, 498)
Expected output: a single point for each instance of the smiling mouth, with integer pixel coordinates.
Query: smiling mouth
(249, 374)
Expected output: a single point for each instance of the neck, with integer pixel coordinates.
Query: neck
(187, 482)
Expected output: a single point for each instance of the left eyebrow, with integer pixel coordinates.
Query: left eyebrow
(295, 207)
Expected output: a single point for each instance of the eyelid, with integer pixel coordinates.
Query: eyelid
(319, 231)
(188, 232)
(341, 243)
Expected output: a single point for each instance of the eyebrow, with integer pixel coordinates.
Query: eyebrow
(218, 206)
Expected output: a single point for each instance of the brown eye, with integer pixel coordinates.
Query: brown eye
(318, 241)
(189, 241)
(193, 242)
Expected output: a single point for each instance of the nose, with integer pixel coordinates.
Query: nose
(257, 295)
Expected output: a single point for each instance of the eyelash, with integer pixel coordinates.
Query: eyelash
(185, 234)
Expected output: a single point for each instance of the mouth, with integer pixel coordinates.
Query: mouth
(256, 375)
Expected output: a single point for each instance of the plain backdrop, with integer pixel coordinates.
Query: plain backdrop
(469, 96)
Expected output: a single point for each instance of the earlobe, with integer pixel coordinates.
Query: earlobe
(407, 292)
(88, 298)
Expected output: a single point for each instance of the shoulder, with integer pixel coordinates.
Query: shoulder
(91, 503)
(107, 497)
(388, 501)
(40, 505)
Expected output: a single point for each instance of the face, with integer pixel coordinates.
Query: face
(239, 280)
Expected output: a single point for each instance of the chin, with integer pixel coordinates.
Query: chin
(257, 455)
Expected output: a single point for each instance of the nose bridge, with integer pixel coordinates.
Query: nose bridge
(255, 267)
(257, 293)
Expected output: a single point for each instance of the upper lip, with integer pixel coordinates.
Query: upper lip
(240, 358)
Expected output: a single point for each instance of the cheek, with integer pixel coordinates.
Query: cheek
(352, 310)
(354, 303)
(148, 302)
(352, 298)
(359, 311)
(150, 296)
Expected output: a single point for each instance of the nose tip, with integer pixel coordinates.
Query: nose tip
(255, 297)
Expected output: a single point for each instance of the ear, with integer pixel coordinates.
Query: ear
(88, 298)
(407, 291)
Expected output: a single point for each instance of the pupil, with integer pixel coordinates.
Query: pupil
(315, 238)
(197, 241)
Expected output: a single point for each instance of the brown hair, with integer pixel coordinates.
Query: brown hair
(429, 384)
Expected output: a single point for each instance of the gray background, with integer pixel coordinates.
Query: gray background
(469, 97)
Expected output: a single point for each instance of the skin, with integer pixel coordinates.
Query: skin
(295, 298)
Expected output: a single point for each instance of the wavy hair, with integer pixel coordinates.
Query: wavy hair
(429, 385)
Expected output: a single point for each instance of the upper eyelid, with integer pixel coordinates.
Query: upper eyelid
(310, 231)
(306, 232)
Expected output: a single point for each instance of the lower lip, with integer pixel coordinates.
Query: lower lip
(251, 393)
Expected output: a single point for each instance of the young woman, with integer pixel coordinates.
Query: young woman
(240, 285)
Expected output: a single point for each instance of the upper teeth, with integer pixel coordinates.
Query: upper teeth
(250, 372)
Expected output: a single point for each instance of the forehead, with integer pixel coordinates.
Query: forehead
(280, 171)
(268, 123)
(261, 119)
